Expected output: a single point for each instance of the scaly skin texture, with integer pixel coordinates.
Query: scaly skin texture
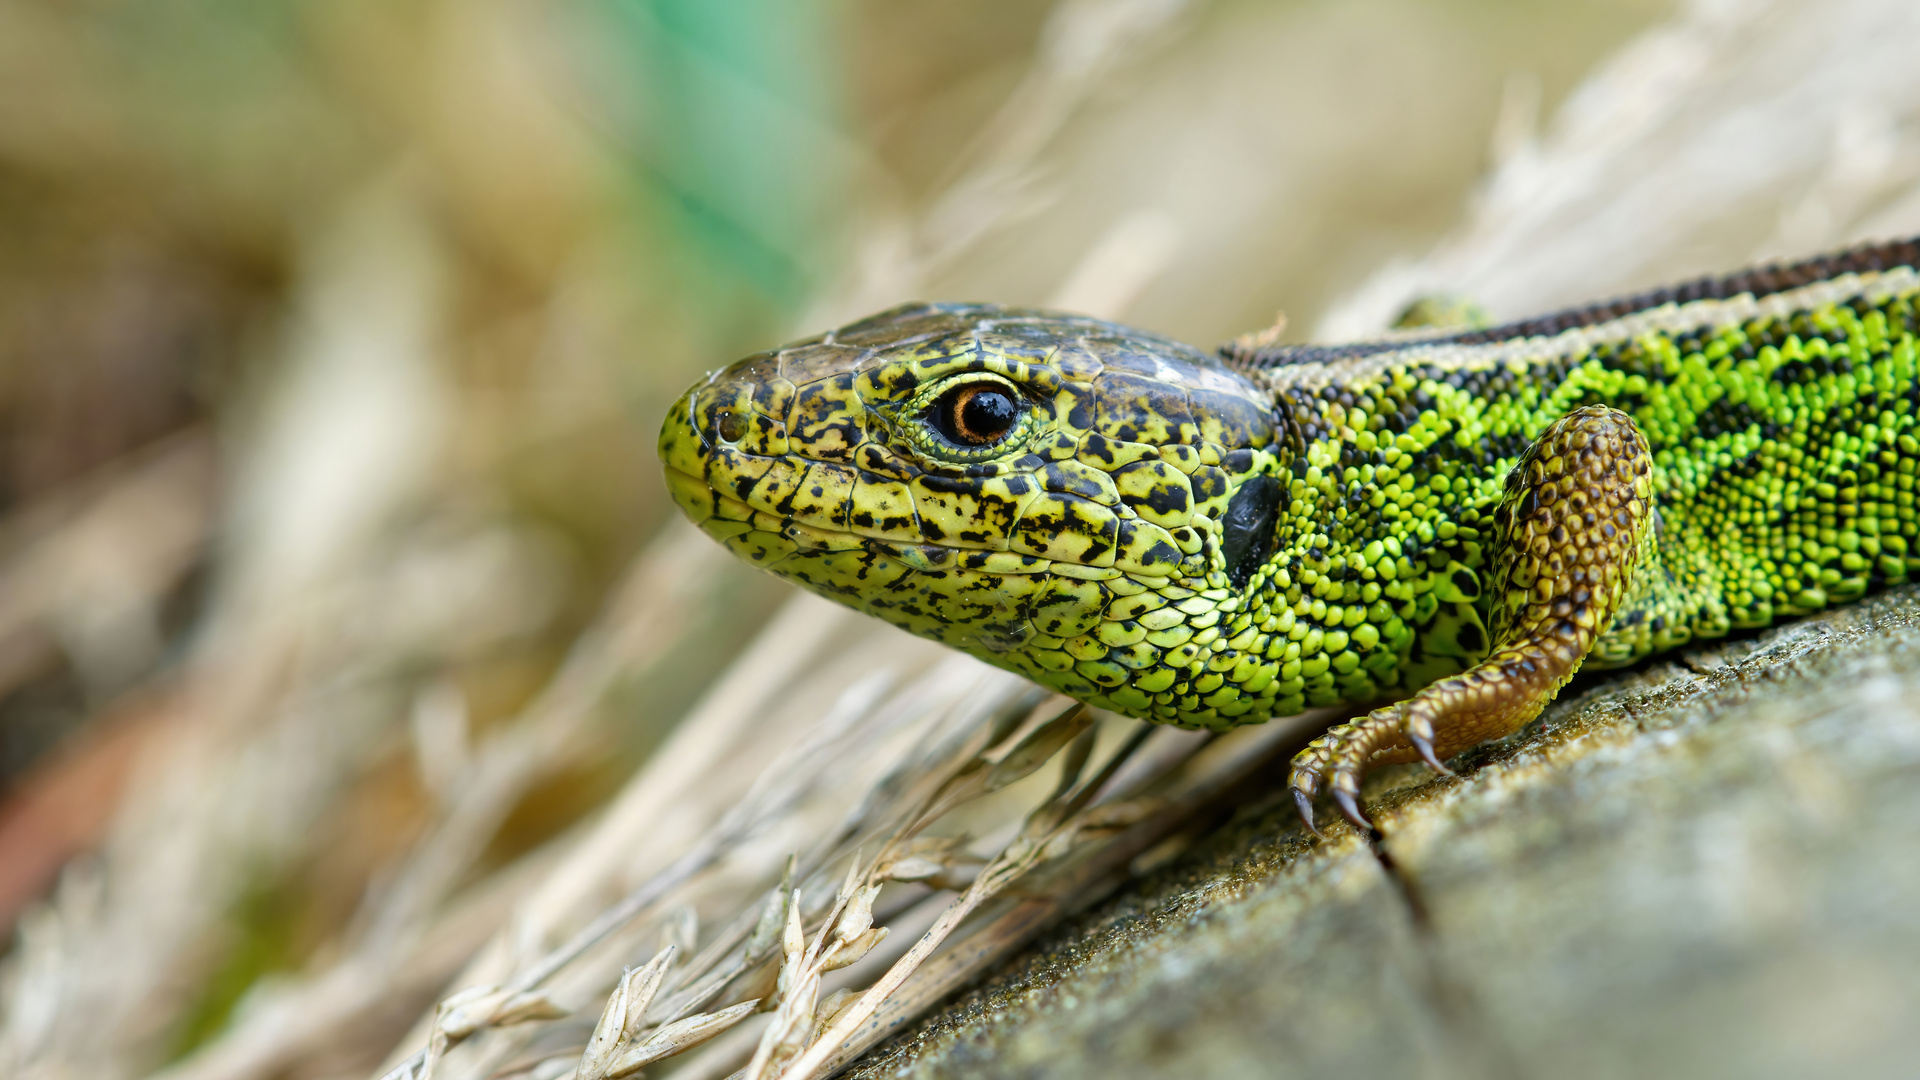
(1454, 522)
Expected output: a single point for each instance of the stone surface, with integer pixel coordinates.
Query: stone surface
(1705, 867)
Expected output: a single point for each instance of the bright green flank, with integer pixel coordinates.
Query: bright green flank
(1451, 522)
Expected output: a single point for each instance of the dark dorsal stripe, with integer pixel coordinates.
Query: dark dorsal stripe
(1760, 281)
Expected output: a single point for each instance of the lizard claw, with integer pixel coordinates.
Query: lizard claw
(1350, 809)
(1303, 803)
(1424, 747)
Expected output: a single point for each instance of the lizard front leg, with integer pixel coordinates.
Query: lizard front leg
(1568, 534)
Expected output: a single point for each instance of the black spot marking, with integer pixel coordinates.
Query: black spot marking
(1055, 478)
(1097, 447)
(1168, 499)
(1231, 419)
(1247, 530)
(1126, 405)
(1468, 585)
(1208, 483)
(1080, 413)
(1471, 639)
(950, 485)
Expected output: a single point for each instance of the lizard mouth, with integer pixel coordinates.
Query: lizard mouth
(989, 603)
(727, 519)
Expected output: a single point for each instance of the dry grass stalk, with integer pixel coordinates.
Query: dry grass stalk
(808, 1032)
(989, 759)
(1615, 193)
(1050, 831)
(975, 761)
(848, 934)
(619, 1049)
(860, 711)
(1142, 812)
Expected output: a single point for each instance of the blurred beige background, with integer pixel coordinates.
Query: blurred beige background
(334, 337)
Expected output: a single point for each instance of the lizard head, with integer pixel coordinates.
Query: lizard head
(992, 478)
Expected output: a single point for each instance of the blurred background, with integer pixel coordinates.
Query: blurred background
(335, 336)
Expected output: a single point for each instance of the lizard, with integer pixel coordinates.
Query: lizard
(1451, 520)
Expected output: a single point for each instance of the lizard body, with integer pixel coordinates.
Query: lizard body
(1454, 521)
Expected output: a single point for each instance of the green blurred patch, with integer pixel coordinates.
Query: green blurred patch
(262, 938)
(733, 119)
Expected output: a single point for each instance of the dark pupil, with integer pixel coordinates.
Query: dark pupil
(979, 415)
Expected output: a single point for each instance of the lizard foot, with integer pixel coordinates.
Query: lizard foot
(1569, 530)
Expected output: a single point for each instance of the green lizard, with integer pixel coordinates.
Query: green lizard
(1454, 519)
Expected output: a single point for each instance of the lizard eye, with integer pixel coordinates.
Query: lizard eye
(975, 414)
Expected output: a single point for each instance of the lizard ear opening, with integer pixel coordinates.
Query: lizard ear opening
(1246, 534)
